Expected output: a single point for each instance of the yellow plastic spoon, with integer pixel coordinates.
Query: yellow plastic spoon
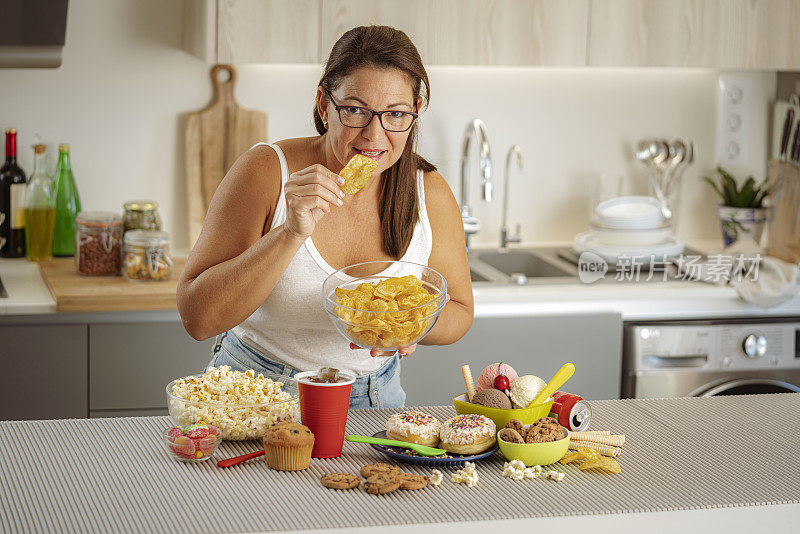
(556, 382)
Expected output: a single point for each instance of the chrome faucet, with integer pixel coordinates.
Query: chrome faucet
(504, 238)
(475, 129)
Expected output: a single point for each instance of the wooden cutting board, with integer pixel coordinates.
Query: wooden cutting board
(215, 137)
(74, 292)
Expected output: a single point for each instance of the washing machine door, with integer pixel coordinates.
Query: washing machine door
(750, 386)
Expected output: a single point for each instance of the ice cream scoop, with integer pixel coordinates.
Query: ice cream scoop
(524, 389)
(490, 372)
(492, 398)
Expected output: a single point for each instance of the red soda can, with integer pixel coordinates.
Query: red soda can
(571, 411)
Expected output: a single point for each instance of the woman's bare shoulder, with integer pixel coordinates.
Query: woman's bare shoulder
(300, 152)
(437, 190)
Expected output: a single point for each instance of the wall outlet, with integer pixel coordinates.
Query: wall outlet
(733, 121)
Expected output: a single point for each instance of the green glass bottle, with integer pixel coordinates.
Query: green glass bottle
(68, 205)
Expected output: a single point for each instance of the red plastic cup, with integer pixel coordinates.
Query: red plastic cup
(323, 409)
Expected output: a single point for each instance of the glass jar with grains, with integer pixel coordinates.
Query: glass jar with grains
(98, 243)
(141, 215)
(147, 255)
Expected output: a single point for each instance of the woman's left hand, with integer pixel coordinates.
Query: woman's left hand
(404, 351)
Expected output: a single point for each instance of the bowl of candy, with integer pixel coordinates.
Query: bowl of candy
(242, 405)
(385, 305)
(195, 443)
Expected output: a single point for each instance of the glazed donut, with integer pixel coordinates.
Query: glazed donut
(414, 427)
(468, 434)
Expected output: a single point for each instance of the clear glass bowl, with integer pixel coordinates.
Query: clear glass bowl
(237, 421)
(187, 449)
(381, 328)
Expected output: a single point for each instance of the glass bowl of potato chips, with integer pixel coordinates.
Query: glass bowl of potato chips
(385, 305)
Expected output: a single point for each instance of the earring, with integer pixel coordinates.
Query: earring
(324, 123)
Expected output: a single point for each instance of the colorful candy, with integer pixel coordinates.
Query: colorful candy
(193, 442)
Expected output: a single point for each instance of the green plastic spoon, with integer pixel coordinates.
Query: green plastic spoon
(422, 449)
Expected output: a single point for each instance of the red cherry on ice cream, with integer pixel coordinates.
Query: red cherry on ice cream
(501, 382)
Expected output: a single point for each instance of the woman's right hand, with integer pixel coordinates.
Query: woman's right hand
(310, 194)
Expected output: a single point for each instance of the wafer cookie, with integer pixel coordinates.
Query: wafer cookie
(613, 440)
(605, 450)
(589, 433)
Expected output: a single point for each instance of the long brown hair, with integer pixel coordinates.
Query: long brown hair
(385, 47)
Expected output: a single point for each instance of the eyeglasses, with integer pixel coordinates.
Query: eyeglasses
(358, 117)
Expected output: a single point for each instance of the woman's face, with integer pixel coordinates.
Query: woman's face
(378, 90)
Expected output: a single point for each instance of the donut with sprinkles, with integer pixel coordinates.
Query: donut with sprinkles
(468, 434)
(414, 427)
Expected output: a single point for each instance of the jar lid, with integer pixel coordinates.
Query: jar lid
(146, 238)
(140, 205)
(98, 218)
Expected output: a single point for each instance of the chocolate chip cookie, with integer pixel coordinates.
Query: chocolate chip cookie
(509, 435)
(544, 430)
(412, 482)
(382, 483)
(340, 481)
(378, 468)
(516, 424)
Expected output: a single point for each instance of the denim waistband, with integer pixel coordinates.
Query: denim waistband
(368, 385)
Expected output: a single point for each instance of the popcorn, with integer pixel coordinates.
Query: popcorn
(555, 475)
(533, 472)
(516, 470)
(436, 477)
(233, 401)
(468, 475)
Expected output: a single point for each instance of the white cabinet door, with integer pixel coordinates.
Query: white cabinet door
(471, 32)
(536, 345)
(45, 371)
(724, 34)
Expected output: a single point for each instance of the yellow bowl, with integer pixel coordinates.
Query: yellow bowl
(535, 453)
(500, 416)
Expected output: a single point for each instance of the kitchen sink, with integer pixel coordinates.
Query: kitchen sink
(3, 294)
(521, 262)
(477, 277)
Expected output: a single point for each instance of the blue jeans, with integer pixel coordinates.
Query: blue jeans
(380, 389)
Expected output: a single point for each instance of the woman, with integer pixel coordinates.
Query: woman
(279, 224)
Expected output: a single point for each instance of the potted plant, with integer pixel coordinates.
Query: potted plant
(742, 209)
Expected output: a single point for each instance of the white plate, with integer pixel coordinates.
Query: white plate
(631, 236)
(588, 242)
(638, 212)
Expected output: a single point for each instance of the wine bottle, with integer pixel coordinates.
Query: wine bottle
(12, 202)
(68, 205)
(40, 209)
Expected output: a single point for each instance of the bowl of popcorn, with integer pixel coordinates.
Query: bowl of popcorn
(385, 305)
(241, 404)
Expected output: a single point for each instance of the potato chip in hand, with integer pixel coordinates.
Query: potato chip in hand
(356, 173)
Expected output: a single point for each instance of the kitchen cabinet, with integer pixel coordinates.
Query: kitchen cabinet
(93, 365)
(131, 363)
(531, 344)
(45, 371)
(724, 34)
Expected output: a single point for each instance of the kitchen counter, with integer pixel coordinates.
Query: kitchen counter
(28, 294)
(684, 461)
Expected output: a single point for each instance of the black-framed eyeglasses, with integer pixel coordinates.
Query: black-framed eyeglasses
(358, 117)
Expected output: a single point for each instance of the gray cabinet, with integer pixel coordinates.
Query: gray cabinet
(537, 345)
(131, 363)
(44, 371)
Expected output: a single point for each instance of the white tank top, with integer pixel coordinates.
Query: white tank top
(292, 326)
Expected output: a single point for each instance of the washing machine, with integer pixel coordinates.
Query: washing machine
(712, 357)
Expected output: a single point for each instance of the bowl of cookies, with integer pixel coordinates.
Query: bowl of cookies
(385, 305)
(542, 442)
(242, 405)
